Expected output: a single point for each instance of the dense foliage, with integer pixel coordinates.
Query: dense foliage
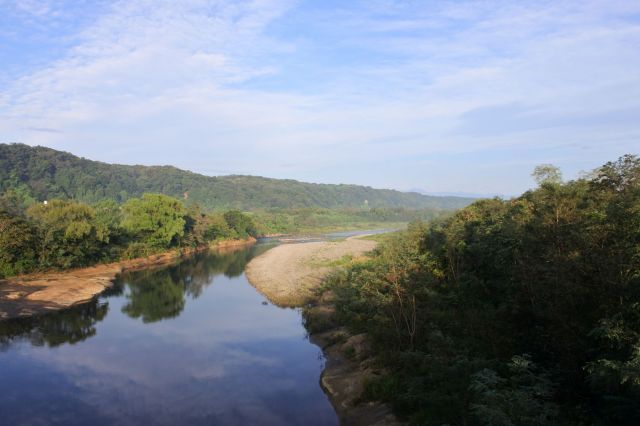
(517, 312)
(289, 221)
(155, 219)
(63, 234)
(68, 233)
(43, 173)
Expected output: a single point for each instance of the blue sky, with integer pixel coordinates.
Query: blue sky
(439, 96)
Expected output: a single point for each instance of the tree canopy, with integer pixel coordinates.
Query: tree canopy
(157, 219)
(65, 234)
(522, 311)
(69, 233)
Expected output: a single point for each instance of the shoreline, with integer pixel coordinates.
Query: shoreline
(290, 275)
(43, 292)
(343, 378)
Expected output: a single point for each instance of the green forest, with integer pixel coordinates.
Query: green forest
(44, 173)
(97, 212)
(65, 234)
(509, 312)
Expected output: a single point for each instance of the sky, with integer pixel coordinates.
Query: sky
(462, 97)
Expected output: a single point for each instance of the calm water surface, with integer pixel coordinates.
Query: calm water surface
(188, 344)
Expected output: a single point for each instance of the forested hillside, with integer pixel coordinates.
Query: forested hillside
(517, 312)
(44, 173)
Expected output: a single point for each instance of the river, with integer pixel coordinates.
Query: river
(192, 343)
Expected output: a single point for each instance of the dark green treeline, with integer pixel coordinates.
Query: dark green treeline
(516, 312)
(64, 234)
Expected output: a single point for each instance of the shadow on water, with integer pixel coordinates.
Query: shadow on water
(151, 295)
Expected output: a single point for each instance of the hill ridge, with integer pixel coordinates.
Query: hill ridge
(48, 173)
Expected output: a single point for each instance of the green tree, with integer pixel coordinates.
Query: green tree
(547, 173)
(521, 398)
(157, 220)
(240, 223)
(217, 227)
(108, 214)
(553, 273)
(16, 200)
(69, 233)
(18, 245)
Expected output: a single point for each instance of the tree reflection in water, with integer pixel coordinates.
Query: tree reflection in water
(151, 295)
(159, 294)
(69, 326)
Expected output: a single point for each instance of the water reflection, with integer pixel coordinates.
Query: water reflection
(154, 299)
(159, 294)
(69, 326)
(187, 344)
(152, 295)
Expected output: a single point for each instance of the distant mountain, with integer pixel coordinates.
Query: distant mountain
(47, 173)
(474, 195)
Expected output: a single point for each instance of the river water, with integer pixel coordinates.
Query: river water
(192, 343)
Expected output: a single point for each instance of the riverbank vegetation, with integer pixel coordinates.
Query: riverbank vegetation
(522, 311)
(65, 234)
(69, 233)
(318, 220)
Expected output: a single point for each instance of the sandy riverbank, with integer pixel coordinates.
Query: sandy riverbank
(288, 275)
(39, 293)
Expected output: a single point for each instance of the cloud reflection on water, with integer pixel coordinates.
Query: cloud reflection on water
(224, 358)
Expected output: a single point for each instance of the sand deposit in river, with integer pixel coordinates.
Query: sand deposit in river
(288, 274)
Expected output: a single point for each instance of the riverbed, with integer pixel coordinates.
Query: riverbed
(193, 343)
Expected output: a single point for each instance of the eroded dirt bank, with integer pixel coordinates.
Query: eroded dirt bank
(347, 368)
(39, 293)
(289, 275)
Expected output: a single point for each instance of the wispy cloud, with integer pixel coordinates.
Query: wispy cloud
(338, 92)
(43, 129)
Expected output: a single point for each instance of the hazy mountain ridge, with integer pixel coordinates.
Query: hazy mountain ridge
(48, 173)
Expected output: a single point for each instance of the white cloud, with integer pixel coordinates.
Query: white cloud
(396, 82)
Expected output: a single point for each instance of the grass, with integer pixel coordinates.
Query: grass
(350, 226)
(380, 238)
(345, 260)
(338, 226)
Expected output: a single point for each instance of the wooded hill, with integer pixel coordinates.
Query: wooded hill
(46, 173)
